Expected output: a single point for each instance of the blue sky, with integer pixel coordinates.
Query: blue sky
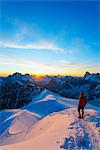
(54, 37)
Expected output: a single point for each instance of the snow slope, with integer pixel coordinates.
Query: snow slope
(59, 129)
(48, 102)
(62, 130)
(14, 124)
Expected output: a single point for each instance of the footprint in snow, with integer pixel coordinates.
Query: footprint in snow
(78, 140)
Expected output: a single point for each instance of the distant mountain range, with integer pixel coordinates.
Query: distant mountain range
(18, 90)
(69, 86)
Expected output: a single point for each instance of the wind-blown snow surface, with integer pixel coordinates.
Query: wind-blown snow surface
(59, 129)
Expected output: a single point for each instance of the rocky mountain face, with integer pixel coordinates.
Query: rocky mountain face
(17, 90)
(87, 74)
(69, 86)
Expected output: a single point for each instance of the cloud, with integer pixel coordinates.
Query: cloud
(70, 51)
(30, 36)
(28, 32)
(41, 45)
(80, 44)
(93, 66)
(24, 63)
(62, 33)
(65, 63)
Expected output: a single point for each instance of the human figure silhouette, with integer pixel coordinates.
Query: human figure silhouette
(81, 105)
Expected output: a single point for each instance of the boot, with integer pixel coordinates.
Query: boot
(79, 116)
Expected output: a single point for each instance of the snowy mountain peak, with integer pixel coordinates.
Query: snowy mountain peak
(95, 77)
(17, 90)
(87, 74)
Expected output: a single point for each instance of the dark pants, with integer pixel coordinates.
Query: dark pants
(79, 110)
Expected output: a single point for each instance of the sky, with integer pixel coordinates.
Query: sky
(49, 37)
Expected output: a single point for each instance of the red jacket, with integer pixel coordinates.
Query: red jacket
(82, 101)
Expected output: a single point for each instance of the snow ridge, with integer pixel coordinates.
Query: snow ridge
(40, 126)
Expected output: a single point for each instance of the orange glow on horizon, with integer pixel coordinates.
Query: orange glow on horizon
(39, 75)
